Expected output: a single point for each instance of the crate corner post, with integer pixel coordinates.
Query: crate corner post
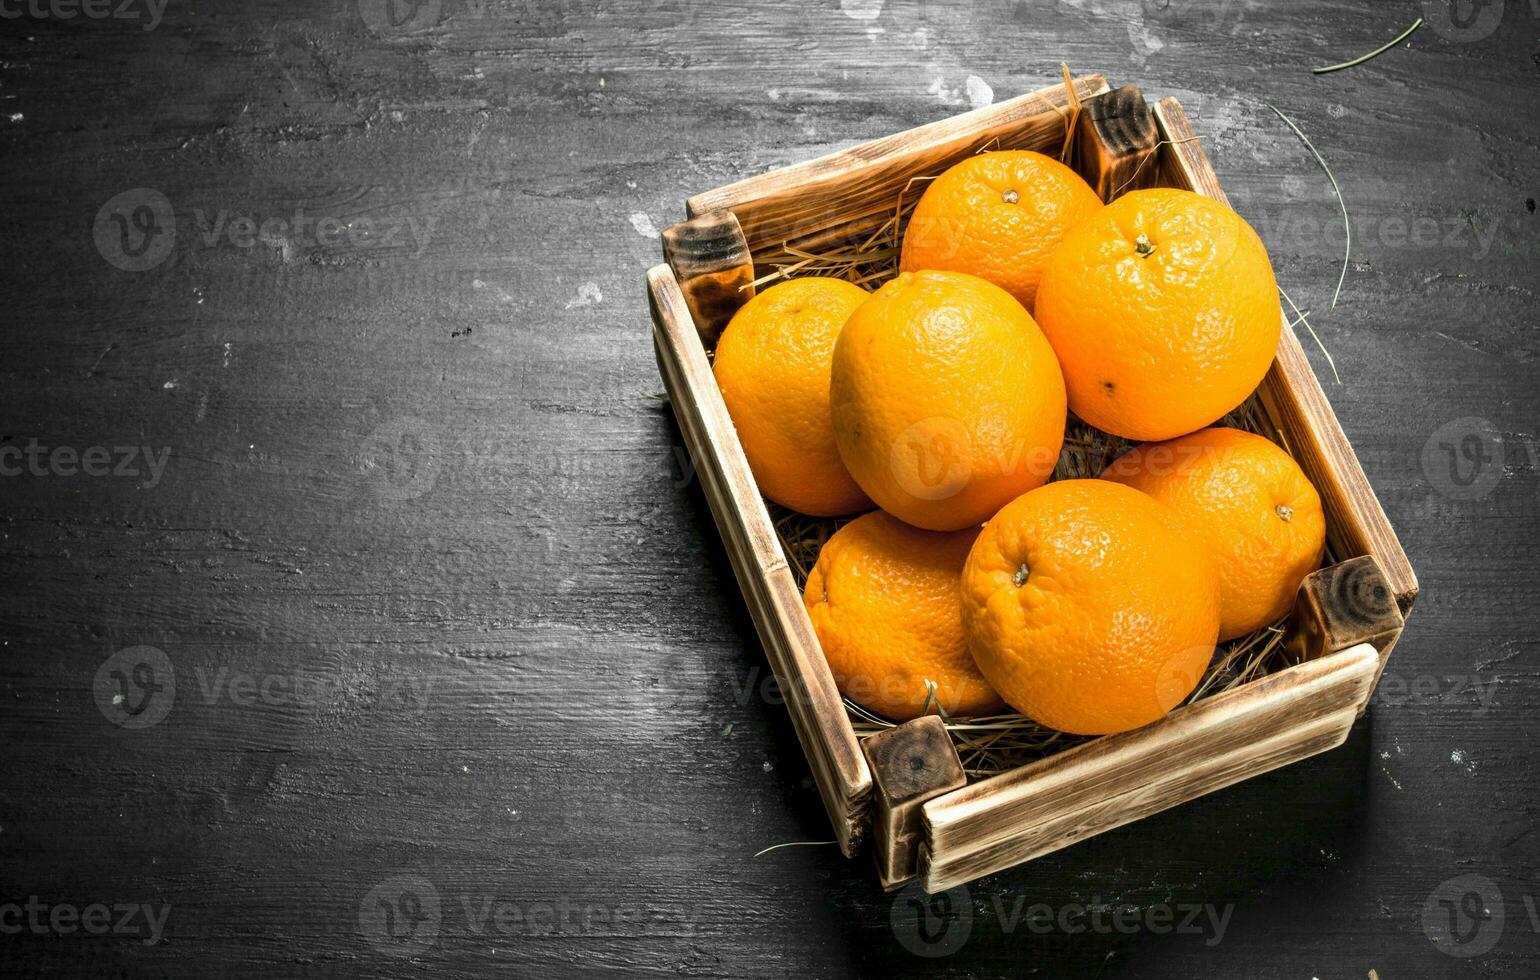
(710, 260)
(1116, 142)
(911, 763)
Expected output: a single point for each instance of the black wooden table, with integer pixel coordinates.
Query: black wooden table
(360, 611)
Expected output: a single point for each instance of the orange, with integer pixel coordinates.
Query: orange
(1253, 507)
(947, 400)
(1164, 313)
(885, 601)
(772, 365)
(1090, 607)
(997, 216)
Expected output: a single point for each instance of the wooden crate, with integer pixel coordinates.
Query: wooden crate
(903, 792)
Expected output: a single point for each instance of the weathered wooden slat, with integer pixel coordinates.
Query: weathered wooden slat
(817, 711)
(1356, 524)
(1162, 790)
(996, 807)
(1115, 780)
(813, 197)
(707, 426)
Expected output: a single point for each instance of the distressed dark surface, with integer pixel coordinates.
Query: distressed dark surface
(425, 470)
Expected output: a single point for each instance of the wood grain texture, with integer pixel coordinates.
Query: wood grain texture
(711, 263)
(1112, 781)
(943, 868)
(812, 198)
(1117, 143)
(541, 686)
(1343, 605)
(838, 765)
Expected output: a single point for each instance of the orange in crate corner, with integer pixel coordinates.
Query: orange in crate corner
(772, 366)
(1163, 310)
(1090, 607)
(884, 600)
(946, 398)
(998, 216)
(1254, 508)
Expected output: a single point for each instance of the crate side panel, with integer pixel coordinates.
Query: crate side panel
(818, 714)
(1090, 774)
(940, 870)
(821, 196)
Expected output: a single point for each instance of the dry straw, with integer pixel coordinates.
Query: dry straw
(1372, 54)
(1347, 223)
(869, 257)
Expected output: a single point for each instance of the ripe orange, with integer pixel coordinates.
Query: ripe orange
(772, 365)
(947, 400)
(1164, 313)
(1250, 503)
(1089, 607)
(884, 600)
(997, 216)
